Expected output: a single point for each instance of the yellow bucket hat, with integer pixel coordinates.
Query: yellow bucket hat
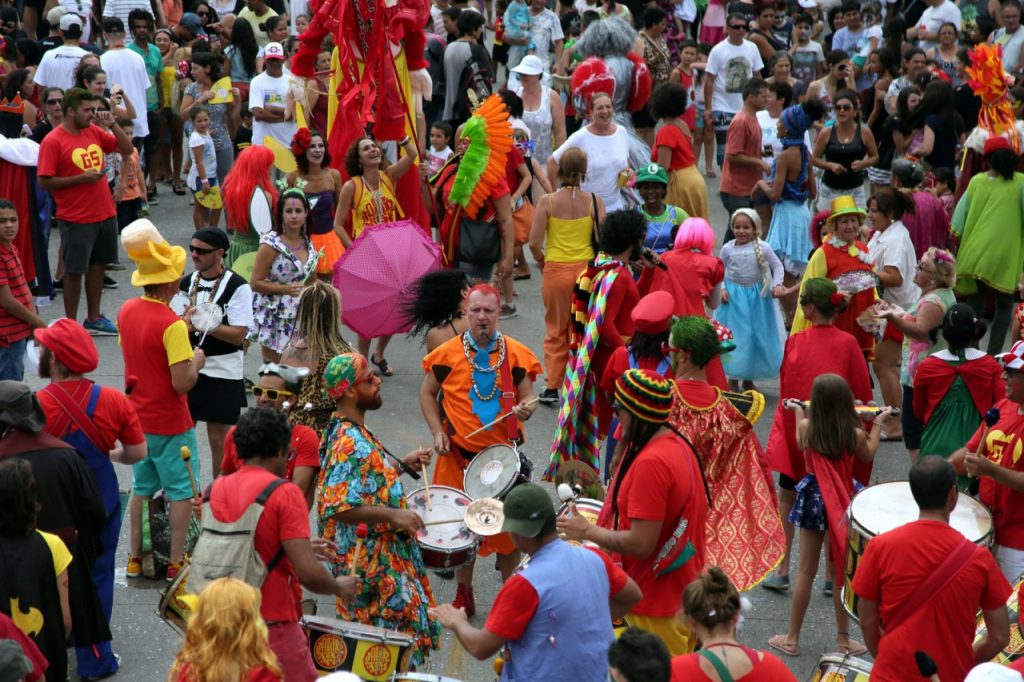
(846, 205)
(156, 261)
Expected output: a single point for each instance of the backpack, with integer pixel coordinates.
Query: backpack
(477, 76)
(228, 549)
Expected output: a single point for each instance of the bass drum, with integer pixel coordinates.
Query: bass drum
(1015, 649)
(839, 668)
(885, 506)
(370, 652)
(176, 603)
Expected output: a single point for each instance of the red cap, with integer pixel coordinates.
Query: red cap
(70, 344)
(653, 313)
(995, 143)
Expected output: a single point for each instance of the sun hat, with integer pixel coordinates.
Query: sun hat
(156, 261)
(532, 65)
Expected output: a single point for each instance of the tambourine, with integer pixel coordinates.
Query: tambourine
(179, 303)
(206, 317)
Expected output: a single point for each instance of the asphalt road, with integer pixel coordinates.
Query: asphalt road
(147, 645)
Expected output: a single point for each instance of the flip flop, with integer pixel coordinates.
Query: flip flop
(383, 366)
(850, 650)
(778, 642)
(710, 174)
(886, 438)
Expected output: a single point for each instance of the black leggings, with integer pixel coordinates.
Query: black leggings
(1001, 318)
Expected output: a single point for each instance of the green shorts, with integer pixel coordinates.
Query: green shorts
(164, 468)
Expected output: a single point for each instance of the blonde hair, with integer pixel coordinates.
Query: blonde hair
(318, 322)
(943, 266)
(572, 167)
(226, 637)
(762, 262)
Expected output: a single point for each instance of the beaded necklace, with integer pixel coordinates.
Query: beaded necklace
(467, 344)
(193, 291)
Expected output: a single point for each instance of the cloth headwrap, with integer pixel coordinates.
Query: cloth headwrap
(646, 395)
(341, 373)
(796, 121)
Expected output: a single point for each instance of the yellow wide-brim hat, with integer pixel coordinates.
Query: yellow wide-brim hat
(156, 261)
(845, 205)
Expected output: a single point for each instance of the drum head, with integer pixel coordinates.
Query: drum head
(179, 303)
(839, 667)
(492, 472)
(207, 317)
(345, 628)
(446, 503)
(885, 506)
(585, 507)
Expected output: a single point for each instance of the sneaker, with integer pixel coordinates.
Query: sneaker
(116, 266)
(101, 326)
(827, 590)
(776, 583)
(445, 573)
(109, 282)
(173, 569)
(58, 284)
(507, 310)
(93, 678)
(134, 569)
(464, 600)
(548, 396)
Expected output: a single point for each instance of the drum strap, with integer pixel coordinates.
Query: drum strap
(933, 584)
(508, 399)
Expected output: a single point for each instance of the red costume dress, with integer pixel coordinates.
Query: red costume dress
(745, 536)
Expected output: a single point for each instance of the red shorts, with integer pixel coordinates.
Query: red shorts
(892, 334)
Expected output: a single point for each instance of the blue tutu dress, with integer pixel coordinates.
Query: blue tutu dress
(790, 233)
(755, 319)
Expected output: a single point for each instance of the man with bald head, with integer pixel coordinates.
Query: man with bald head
(484, 374)
(923, 584)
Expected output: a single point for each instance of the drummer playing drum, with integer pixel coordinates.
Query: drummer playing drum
(358, 485)
(484, 374)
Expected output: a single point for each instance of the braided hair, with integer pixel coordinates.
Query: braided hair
(318, 322)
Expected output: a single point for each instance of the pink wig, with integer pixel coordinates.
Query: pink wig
(251, 170)
(695, 233)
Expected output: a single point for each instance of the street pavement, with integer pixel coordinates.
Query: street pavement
(147, 645)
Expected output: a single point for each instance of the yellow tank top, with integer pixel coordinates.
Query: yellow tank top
(367, 210)
(568, 240)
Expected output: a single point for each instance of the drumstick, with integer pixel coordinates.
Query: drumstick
(500, 417)
(186, 456)
(990, 418)
(362, 530)
(426, 488)
(441, 523)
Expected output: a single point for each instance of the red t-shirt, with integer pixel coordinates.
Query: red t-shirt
(304, 451)
(63, 155)
(680, 143)
(690, 115)
(892, 567)
(512, 179)
(517, 601)
(664, 485)
(12, 275)
(8, 630)
(284, 518)
(686, 668)
(744, 137)
(260, 674)
(1004, 445)
(115, 418)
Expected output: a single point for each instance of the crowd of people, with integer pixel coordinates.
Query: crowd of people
(867, 160)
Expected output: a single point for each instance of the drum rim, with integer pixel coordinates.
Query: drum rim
(425, 546)
(845, 659)
(385, 636)
(983, 533)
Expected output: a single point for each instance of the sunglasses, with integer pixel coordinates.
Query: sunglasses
(53, 101)
(843, 107)
(738, 27)
(365, 380)
(200, 252)
(271, 393)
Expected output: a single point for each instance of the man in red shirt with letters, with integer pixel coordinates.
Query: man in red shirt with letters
(923, 584)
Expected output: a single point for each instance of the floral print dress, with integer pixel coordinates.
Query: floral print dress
(273, 315)
(395, 590)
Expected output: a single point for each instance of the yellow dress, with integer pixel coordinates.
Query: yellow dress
(371, 208)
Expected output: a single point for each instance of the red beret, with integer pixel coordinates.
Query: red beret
(653, 313)
(70, 344)
(995, 143)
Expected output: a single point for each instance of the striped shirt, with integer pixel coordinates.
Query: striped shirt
(13, 275)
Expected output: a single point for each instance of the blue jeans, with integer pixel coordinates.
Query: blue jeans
(12, 361)
(721, 119)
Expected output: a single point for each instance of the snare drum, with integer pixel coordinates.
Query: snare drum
(885, 506)
(176, 604)
(445, 545)
(586, 507)
(371, 653)
(494, 471)
(839, 668)
(1015, 649)
(421, 677)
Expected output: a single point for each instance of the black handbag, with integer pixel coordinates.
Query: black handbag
(479, 242)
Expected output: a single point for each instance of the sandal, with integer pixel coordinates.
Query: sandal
(778, 642)
(179, 187)
(710, 173)
(851, 648)
(383, 366)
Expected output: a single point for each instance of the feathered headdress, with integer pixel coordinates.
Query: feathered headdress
(989, 81)
(483, 163)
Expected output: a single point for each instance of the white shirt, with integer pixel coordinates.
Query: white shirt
(1011, 43)
(127, 68)
(732, 66)
(208, 155)
(546, 30)
(57, 68)
(295, 8)
(437, 21)
(239, 313)
(934, 17)
(607, 156)
(265, 91)
(893, 248)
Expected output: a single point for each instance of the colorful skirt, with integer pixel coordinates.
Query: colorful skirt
(790, 235)
(688, 191)
(758, 331)
(333, 249)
